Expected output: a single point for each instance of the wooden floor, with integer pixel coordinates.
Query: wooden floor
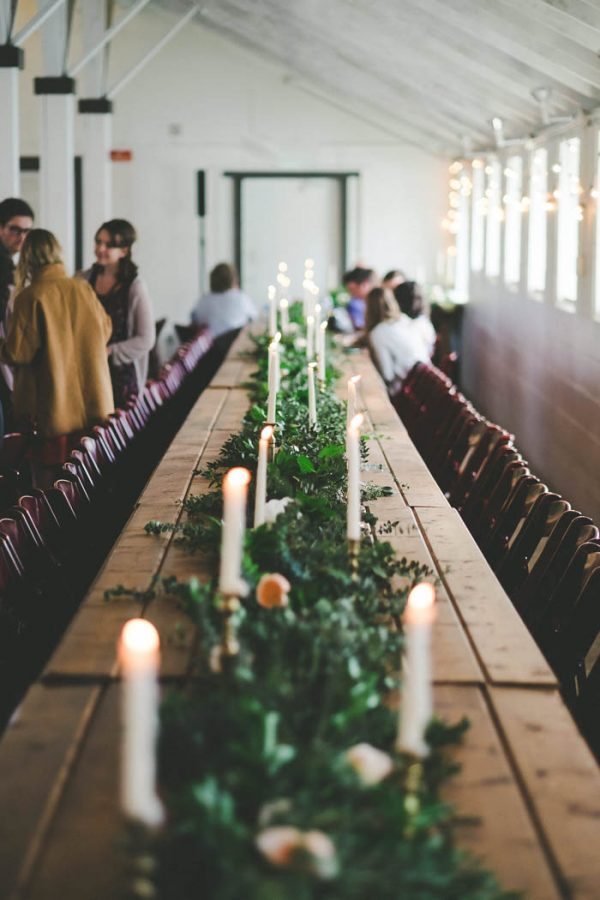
(526, 773)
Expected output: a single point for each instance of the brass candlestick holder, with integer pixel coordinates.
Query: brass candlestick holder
(229, 605)
(140, 865)
(272, 447)
(353, 551)
(413, 784)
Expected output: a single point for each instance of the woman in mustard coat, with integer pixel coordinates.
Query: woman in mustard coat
(57, 345)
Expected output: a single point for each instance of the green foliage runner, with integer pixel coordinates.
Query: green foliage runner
(264, 802)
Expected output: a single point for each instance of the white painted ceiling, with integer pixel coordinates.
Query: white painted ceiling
(433, 72)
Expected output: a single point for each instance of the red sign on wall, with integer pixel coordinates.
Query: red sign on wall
(121, 155)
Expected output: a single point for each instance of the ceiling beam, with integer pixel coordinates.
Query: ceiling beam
(377, 118)
(581, 10)
(549, 54)
(427, 107)
(324, 61)
(539, 12)
(458, 51)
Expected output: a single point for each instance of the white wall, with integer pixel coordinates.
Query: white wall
(204, 103)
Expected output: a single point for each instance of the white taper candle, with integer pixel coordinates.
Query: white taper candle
(312, 397)
(351, 408)
(353, 461)
(321, 351)
(235, 489)
(139, 658)
(260, 497)
(273, 378)
(310, 337)
(416, 707)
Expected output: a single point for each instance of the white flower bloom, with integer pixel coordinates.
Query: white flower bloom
(274, 508)
(370, 764)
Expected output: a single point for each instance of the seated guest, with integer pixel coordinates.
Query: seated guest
(124, 296)
(394, 343)
(225, 308)
(56, 343)
(392, 279)
(410, 300)
(358, 282)
(16, 221)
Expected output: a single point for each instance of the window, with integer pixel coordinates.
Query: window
(512, 234)
(494, 219)
(538, 198)
(569, 217)
(479, 208)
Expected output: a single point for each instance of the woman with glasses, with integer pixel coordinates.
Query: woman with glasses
(114, 277)
(56, 344)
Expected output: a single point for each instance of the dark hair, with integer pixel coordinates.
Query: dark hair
(409, 298)
(122, 234)
(393, 273)
(357, 275)
(222, 278)
(12, 207)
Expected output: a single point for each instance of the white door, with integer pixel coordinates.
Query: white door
(289, 219)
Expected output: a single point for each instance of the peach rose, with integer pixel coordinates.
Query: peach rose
(370, 764)
(272, 591)
(312, 851)
(278, 844)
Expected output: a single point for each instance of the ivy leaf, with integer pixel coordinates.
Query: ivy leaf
(305, 465)
(331, 451)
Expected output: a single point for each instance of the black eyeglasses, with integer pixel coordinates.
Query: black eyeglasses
(18, 231)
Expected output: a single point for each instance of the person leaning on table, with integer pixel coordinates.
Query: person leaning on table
(56, 343)
(394, 344)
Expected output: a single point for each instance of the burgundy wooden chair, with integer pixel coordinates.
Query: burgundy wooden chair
(469, 433)
(586, 705)
(483, 521)
(571, 531)
(580, 639)
(14, 450)
(553, 622)
(512, 519)
(476, 464)
(482, 488)
(526, 546)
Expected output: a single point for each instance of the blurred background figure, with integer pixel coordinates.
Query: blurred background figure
(225, 308)
(358, 282)
(410, 300)
(124, 295)
(392, 279)
(394, 343)
(56, 342)
(16, 221)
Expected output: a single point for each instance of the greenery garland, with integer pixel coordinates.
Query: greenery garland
(264, 799)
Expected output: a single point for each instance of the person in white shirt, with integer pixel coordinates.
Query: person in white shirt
(410, 301)
(394, 342)
(225, 308)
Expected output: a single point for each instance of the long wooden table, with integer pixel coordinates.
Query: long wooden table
(527, 775)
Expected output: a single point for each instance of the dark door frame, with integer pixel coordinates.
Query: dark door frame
(340, 177)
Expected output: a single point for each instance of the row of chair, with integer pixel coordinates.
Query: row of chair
(545, 554)
(52, 542)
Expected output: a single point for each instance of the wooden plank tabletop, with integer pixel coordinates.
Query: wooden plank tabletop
(527, 774)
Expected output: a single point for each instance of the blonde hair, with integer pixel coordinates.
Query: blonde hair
(40, 249)
(381, 307)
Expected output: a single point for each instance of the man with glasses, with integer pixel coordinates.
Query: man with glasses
(16, 221)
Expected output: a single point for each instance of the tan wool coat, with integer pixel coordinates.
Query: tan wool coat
(57, 344)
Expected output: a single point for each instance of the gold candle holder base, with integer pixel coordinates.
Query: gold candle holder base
(413, 784)
(353, 551)
(272, 448)
(230, 603)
